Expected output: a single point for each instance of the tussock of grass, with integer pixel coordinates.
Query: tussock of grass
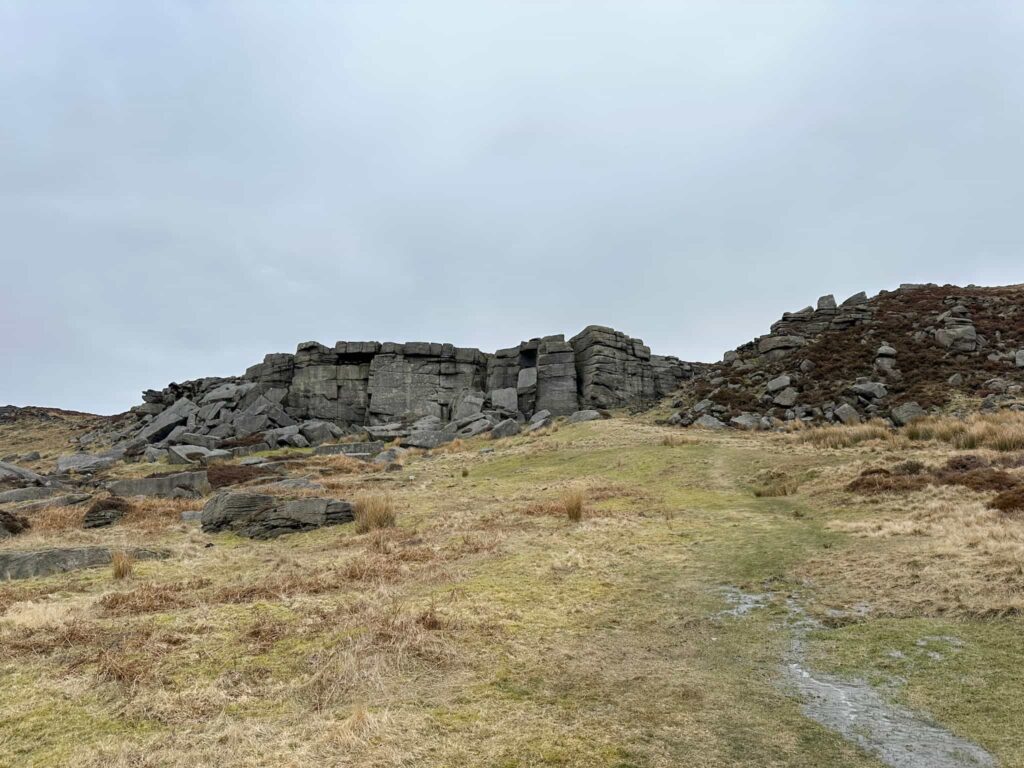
(123, 564)
(572, 504)
(780, 487)
(674, 441)
(374, 510)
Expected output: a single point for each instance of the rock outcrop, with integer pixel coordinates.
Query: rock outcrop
(16, 564)
(259, 516)
(895, 356)
(320, 392)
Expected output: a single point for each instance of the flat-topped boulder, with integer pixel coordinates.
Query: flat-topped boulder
(260, 516)
(27, 564)
(180, 485)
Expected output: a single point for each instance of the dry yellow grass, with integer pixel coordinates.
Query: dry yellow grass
(374, 510)
(122, 565)
(572, 504)
(1003, 431)
(839, 436)
(948, 553)
(470, 634)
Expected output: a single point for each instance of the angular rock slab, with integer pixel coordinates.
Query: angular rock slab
(16, 564)
(183, 485)
(257, 516)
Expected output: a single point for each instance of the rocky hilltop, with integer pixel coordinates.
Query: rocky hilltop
(896, 356)
(389, 390)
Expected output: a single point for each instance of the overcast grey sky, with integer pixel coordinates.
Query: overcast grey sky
(185, 186)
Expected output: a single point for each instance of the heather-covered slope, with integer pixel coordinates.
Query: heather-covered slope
(896, 355)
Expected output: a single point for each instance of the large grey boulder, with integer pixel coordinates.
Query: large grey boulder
(1020, 358)
(161, 425)
(64, 500)
(474, 428)
(507, 399)
(193, 454)
(707, 421)
(15, 564)
(426, 438)
(957, 338)
(32, 493)
(847, 414)
(587, 415)
(258, 516)
(746, 421)
(871, 390)
(183, 485)
(469, 404)
(773, 345)
(206, 441)
(358, 450)
(778, 384)
(786, 398)
(543, 415)
(83, 462)
(317, 432)
(386, 432)
(905, 413)
(506, 428)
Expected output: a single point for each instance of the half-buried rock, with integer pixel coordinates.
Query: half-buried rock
(27, 564)
(258, 516)
(106, 512)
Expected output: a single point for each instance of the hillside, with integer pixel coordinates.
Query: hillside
(897, 355)
(454, 576)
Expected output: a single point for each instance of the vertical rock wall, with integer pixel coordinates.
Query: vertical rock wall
(371, 383)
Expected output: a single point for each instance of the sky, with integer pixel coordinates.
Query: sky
(186, 186)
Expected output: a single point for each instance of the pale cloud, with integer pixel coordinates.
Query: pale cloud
(186, 186)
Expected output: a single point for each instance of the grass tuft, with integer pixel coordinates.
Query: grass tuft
(123, 565)
(373, 511)
(572, 504)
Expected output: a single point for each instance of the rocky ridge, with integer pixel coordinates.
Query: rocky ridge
(423, 393)
(897, 356)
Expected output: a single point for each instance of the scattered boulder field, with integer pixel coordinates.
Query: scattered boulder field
(897, 356)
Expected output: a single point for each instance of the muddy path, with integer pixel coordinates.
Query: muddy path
(897, 736)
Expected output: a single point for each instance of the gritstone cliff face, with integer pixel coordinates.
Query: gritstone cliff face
(366, 383)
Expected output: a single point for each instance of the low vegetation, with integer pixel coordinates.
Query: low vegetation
(462, 622)
(373, 511)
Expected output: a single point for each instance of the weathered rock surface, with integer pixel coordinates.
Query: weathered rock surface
(13, 473)
(16, 564)
(258, 516)
(314, 395)
(506, 428)
(587, 415)
(182, 485)
(893, 356)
